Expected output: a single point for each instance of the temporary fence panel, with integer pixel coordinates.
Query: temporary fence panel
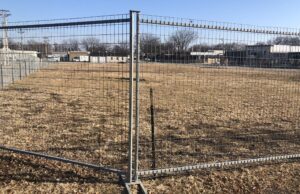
(216, 94)
(75, 112)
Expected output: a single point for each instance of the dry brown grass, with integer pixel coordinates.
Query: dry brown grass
(215, 114)
(203, 114)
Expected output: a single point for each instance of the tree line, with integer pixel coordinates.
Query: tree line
(90, 44)
(181, 41)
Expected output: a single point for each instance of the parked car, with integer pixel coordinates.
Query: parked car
(76, 59)
(81, 59)
(53, 58)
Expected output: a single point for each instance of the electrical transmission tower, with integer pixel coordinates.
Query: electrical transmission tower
(4, 14)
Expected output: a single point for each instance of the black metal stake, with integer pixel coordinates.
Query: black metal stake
(152, 129)
(1, 74)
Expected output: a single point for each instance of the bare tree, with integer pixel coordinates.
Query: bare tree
(72, 45)
(67, 45)
(294, 41)
(167, 47)
(14, 45)
(94, 46)
(121, 49)
(182, 39)
(200, 48)
(90, 44)
(150, 44)
(229, 46)
(44, 48)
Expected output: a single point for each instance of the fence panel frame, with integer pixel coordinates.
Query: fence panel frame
(228, 163)
(128, 21)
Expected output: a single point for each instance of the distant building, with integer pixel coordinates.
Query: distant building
(75, 55)
(235, 57)
(278, 56)
(109, 59)
(209, 57)
(62, 56)
(7, 56)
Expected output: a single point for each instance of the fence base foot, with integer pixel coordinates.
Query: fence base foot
(128, 186)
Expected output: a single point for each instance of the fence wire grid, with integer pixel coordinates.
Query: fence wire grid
(220, 92)
(150, 94)
(54, 101)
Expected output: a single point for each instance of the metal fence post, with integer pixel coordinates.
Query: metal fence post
(20, 68)
(29, 70)
(12, 73)
(1, 74)
(130, 146)
(137, 105)
(25, 66)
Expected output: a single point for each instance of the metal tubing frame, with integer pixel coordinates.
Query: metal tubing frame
(218, 164)
(62, 24)
(225, 163)
(216, 27)
(130, 126)
(137, 93)
(55, 158)
(132, 174)
(75, 162)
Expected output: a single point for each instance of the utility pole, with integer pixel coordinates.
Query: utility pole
(21, 32)
(46, 39)
(4, 14)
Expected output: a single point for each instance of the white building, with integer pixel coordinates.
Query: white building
(108, 59)
(209, 57)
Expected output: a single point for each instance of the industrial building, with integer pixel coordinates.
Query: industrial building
(109, 59)
(77, 56)
(279, 56)
(209, 57)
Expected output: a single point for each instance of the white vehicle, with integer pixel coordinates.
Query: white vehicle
(81, 59)
(76, 59)
(53, 58)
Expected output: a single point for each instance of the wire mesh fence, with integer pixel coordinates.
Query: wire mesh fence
(55, 101)
(220, 92)
(142, 94)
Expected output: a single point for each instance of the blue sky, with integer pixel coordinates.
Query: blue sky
(281, 13)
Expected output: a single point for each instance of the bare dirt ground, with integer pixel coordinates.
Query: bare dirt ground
(202, 114)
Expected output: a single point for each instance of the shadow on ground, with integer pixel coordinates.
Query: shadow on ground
(15, 167)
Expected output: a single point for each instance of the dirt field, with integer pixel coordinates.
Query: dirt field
(202, 114)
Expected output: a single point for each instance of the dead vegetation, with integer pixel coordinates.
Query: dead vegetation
(80, 111)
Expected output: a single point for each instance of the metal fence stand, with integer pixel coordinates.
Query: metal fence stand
(132, 174)
(118, 32)
(128, 186)
(193, 66)
(197, 59)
